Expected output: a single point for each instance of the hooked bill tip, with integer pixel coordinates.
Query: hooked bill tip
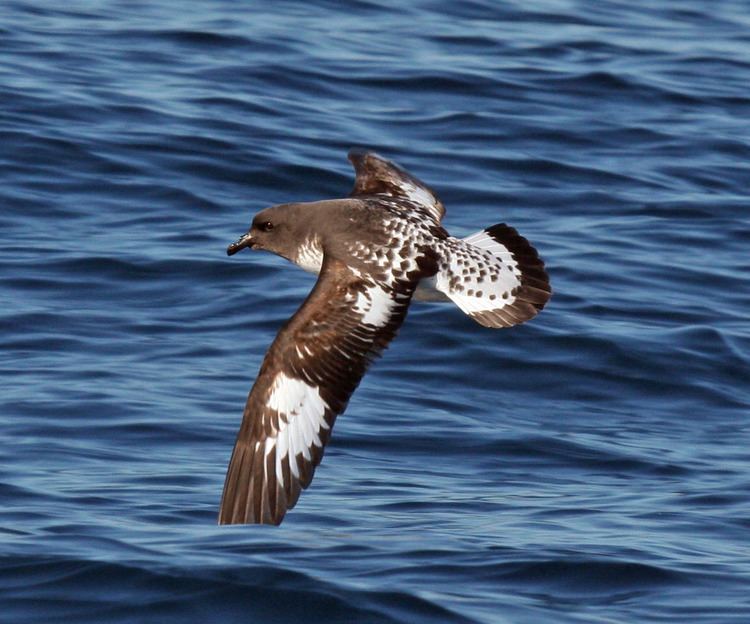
(239, 245)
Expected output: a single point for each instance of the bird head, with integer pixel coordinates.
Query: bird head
(272, 229)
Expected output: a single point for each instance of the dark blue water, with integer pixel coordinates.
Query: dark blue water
(591, 466)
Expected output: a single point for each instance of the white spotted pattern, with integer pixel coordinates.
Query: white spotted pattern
(478, 273)
(483, 240)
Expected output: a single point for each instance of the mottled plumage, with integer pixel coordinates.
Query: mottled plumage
(373, 251)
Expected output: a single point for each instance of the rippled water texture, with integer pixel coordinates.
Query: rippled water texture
(591, 466)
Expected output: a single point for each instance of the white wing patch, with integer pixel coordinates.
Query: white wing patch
(375, 305)
(301, 413)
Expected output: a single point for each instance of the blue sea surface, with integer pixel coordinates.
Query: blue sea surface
(590, 466)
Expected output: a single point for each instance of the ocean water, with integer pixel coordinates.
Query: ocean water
(590, 466)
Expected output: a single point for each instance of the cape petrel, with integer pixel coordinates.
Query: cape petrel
(373, 252)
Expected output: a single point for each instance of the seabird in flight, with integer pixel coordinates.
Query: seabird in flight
(373, 252)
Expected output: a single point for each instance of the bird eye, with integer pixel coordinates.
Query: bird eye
(266, 226)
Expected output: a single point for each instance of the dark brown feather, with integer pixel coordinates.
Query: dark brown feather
(328, 326)
(377, 176)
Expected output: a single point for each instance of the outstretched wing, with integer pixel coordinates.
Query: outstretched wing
(377, 176)
(305, 381)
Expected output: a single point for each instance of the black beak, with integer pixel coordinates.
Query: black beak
(238, 245)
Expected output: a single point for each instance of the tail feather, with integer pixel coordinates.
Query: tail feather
(495, 276)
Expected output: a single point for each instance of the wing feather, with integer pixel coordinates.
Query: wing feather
(377, 176)
(313, 366)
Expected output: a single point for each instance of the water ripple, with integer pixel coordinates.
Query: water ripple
(589, 466)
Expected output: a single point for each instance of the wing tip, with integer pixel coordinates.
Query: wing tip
(375, 174)
(358, 153)
(247, 499)
(362, 158)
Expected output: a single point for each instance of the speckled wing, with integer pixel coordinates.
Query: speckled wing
(313, 366)
(377, 176)
(495, 276)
